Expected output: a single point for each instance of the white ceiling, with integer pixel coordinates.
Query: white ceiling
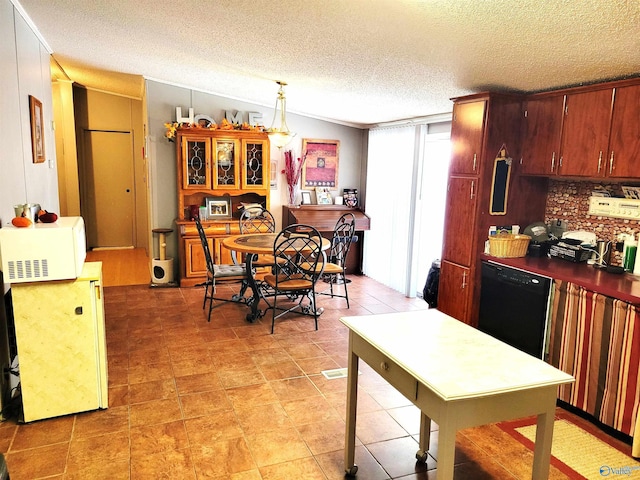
(358, 62)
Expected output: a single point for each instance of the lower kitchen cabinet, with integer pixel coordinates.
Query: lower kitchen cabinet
(601, 349)
(61, 345)
(454, 291)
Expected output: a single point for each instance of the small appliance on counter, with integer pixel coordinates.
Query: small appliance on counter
(44, 251)
(577, 246)
(540, 240)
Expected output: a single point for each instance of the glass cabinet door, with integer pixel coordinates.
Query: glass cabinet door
(255, 157)
(226, 169)
(196, 156)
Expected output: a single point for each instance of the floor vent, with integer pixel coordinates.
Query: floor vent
(335, 373)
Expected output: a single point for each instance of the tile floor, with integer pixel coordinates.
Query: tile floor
(227, 400)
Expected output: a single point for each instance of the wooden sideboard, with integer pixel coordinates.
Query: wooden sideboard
(324, 218)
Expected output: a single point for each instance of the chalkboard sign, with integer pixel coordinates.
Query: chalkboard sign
(500, 184)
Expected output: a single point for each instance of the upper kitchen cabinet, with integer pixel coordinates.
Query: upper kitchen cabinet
(624, 143)
(467, 130)
(542, 127)
(585, 133)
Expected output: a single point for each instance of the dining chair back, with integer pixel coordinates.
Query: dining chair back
(258, 220)
(334, 271)
(217, 271)
(300, 263)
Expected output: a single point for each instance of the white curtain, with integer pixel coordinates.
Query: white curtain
(390, 188)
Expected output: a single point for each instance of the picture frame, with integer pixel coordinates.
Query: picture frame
(218, 207)
(306, 197)
(320, 167)
(37, 129)
(323, 196)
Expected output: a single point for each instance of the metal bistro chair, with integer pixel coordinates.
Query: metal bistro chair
(298, 249)
(343, 235)
(214, 271)
(258, 220)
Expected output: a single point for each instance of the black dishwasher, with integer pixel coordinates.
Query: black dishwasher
(513, 307)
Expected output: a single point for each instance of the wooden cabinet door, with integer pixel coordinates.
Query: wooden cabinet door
(467, 130)
(221, 255)
(460, 215)
(541, 140)
(195, 263)
(195, 162)
(255, 163)
(454, 290)
(226, 164)
(585, 133)
(624, 145)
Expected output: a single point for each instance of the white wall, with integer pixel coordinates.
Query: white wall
(25, 71)
(162, 100)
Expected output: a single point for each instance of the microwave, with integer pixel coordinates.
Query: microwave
(43, 251)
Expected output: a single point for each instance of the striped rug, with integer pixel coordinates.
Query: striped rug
(576, 452)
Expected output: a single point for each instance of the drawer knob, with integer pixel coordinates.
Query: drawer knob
(384, 366)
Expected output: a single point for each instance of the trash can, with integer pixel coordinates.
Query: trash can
(430, 291)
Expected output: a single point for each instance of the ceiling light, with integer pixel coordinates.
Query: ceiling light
(280, 135)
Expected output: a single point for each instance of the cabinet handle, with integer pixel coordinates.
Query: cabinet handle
(600, 161)
(611, 163)
(464, 280)
(553, 161)
(475, 159)
(473, 188)
(560, 163)
(384, 366)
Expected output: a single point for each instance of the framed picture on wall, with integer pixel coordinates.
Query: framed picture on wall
(320, 167)
(37, 132)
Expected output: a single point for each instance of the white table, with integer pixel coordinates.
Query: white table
(456, 375)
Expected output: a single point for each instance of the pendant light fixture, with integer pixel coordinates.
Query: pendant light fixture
(280, 135)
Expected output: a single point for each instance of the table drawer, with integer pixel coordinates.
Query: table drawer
(399, 378)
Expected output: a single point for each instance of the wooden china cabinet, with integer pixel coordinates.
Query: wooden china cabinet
(218, 170)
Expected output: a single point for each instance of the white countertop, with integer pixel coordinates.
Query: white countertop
(454, 360)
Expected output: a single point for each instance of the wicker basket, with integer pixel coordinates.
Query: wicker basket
(507, 245)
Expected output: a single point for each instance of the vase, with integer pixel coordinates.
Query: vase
(293, 193)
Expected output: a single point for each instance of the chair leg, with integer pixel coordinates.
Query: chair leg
(346, 292)
(273, 316)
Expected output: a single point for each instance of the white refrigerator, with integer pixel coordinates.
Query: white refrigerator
(61, 344)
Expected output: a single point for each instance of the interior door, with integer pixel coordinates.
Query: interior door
(108, 201)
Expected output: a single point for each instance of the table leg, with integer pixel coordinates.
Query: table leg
(352, 401)
(542, 451)
(255, 302)
(425, 432)
(446, 452)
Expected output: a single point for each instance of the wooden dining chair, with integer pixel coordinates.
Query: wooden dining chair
(216, 271)
(301, 260)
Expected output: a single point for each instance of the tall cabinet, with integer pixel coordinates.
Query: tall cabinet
(482, 125)
(61, 345)
(228, 166)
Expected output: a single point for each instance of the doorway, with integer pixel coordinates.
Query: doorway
(107, 189)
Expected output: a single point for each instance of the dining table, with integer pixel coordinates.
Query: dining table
(251, 245)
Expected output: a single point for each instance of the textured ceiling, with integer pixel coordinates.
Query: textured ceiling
(359, 62)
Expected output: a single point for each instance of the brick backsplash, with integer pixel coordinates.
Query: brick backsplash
(569, 200)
